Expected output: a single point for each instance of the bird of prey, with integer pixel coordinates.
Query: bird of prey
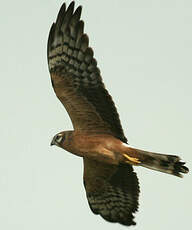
(111, 185)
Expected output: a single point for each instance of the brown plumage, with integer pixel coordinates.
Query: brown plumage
(112, 187)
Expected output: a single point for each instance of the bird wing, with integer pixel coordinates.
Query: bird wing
(112, 191)
(76, 78)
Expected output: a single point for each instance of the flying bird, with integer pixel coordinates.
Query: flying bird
(111, 185)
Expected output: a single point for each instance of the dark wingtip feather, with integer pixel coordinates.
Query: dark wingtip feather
(72, 4)
(50, 38)
(70, 8)
(63, 7)
(60, 15)
(77, 14)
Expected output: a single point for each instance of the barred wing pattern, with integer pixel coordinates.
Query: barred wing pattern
(78, 85)
(76, 78)
(111, 191)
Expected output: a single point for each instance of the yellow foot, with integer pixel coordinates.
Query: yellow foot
(131, 160)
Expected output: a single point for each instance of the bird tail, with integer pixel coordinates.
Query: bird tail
(170, 164)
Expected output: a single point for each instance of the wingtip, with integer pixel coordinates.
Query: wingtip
(71, 6)
(61, 13)
(50, 37)
(78, 12)
(79, 9)
(63, 6)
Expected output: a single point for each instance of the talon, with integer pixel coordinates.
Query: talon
(132, 160)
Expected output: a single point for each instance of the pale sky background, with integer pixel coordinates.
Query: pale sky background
(144, 52)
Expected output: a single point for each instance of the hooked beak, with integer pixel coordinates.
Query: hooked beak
(52, 142)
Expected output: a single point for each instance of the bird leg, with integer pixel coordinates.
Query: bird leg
(131, 160)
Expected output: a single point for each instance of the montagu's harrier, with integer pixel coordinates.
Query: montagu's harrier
(111, 185)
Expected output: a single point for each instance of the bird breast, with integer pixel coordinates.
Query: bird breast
(101, 147)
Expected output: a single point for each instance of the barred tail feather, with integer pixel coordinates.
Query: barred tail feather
(170, 164)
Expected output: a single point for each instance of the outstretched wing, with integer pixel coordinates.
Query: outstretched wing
(112, 191)
(76, 78)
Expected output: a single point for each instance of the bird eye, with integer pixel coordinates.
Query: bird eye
(58, 138)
